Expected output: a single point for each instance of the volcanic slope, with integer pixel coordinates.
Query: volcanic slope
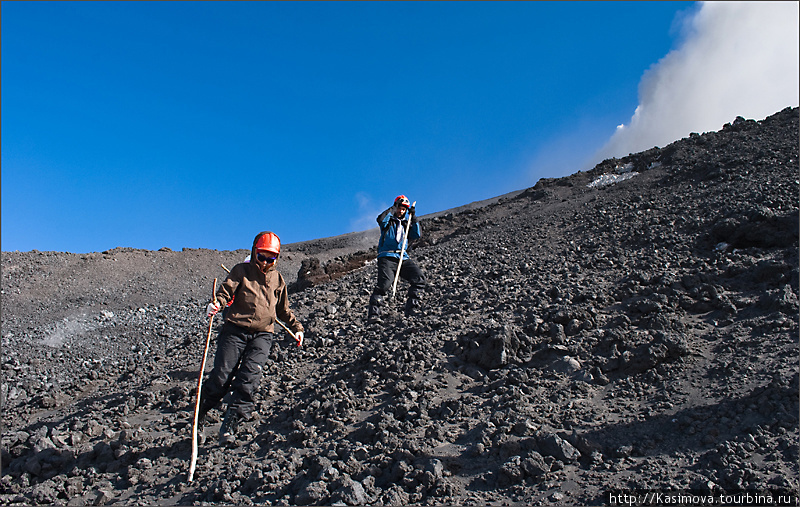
(630, 327)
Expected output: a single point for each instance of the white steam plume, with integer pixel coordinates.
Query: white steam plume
(737, 59)
(368, 209)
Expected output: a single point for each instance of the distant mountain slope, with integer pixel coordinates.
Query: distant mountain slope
(631, 327)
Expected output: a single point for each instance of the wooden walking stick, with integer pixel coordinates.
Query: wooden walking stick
(402, 251)
(199, 387)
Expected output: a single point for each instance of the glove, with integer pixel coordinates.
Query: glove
(212, 308)
(412, 212)
(299, 337)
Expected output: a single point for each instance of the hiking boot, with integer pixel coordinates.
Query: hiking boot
(412, 307)
(374, 313)
(227, 432)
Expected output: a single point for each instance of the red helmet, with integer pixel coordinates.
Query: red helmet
(401, 200)
(268, 241)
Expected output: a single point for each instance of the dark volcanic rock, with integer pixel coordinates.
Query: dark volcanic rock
(630, 327)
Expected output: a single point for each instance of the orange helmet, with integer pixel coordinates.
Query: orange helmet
(401, 200)
(268, 241)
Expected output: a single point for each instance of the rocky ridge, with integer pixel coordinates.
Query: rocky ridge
(632, 327)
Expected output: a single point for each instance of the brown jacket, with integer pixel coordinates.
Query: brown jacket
(259, 298)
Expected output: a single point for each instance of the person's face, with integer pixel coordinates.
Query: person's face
(400, 212)
(265, 260)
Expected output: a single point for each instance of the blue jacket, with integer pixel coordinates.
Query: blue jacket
(388, 246)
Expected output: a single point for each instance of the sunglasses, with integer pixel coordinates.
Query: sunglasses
(263, 258)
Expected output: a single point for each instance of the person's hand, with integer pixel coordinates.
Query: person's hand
(212, 308)
(298, 336)
(412, 211)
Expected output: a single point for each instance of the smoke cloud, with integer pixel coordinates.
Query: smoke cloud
(368, 209)
(735, 59)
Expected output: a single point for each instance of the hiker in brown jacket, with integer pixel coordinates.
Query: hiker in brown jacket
(259, 297)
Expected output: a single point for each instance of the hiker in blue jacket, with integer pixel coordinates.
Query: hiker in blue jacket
(393, 223)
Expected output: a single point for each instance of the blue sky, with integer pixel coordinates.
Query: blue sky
(199, 124)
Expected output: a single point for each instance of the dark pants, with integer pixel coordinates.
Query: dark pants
(409, 271)
(238, 365)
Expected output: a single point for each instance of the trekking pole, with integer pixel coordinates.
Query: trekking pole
(199, 387)
(288, 330)
(402, 251)
(276, 320)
